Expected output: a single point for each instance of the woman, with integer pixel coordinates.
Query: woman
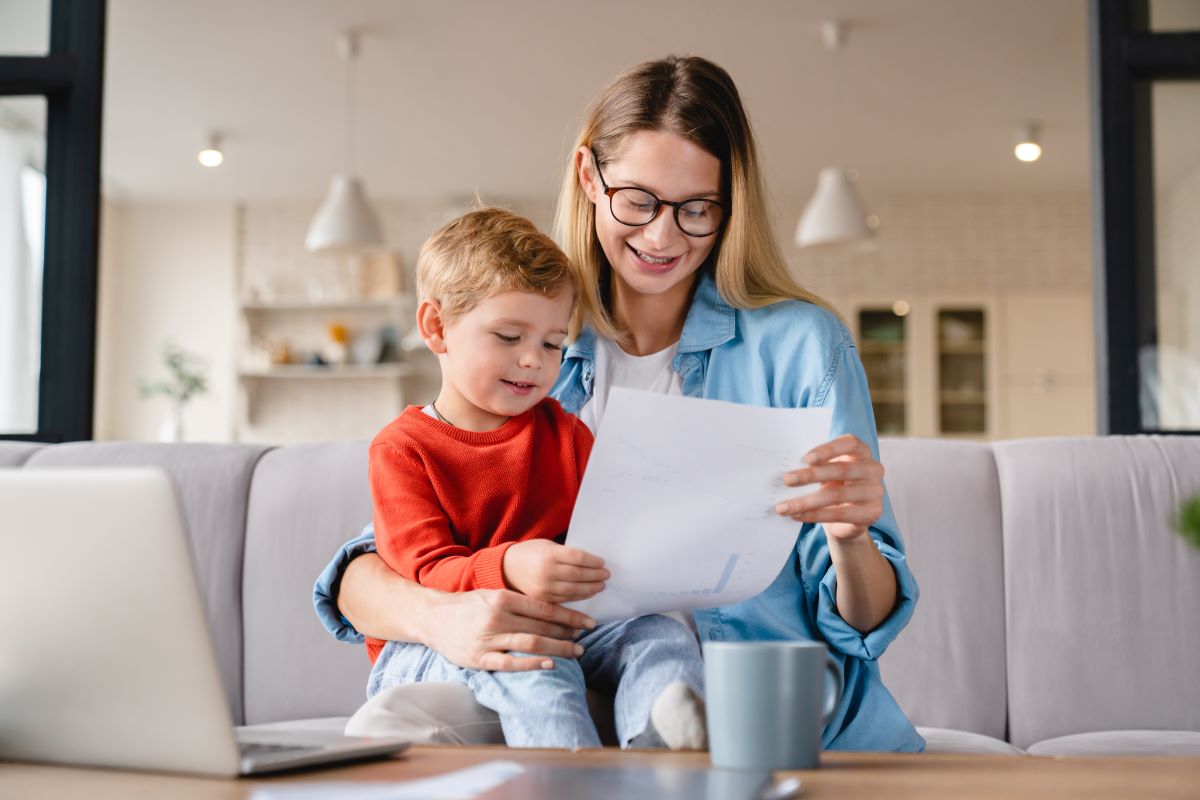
(687, 293)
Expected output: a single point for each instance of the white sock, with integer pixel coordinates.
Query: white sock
(678, 717)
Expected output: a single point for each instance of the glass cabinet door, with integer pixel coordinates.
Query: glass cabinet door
(883, 341)
(962, 373)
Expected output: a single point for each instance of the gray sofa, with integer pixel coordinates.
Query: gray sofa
(1059, 613)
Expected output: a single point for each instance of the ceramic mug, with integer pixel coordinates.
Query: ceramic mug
(768, 702)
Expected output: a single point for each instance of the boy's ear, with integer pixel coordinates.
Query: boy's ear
(585, 169)
(431, 326)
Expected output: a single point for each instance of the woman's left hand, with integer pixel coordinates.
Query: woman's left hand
(850, 497)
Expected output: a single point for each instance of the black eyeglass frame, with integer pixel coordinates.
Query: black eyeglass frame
(609, 191)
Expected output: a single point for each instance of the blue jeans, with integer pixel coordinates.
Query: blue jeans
(635, 658)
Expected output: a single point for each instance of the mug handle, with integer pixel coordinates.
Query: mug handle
(831, 699)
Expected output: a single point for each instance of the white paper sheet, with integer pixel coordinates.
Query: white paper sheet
(462, 784)
(679, 496)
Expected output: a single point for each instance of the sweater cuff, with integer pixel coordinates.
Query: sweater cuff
(489, 567)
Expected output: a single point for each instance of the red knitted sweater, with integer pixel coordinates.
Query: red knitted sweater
(449, 502)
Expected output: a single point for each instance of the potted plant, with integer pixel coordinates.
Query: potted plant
(1188, 521)
(187, 380)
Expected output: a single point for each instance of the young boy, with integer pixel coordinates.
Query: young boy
(476, 491)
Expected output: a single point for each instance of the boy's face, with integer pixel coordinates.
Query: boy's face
(502, 357)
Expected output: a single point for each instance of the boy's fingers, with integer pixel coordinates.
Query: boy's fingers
(582, 558)
(574, 574)
(565, 591)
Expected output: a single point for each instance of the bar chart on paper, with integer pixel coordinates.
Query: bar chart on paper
(686, 522)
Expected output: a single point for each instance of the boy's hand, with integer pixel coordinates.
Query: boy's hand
(550, 571)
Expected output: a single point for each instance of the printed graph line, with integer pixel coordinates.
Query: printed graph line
(729, 565)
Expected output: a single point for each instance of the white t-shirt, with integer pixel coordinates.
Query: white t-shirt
(615, 367)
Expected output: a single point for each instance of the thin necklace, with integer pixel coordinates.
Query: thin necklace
(433, 404)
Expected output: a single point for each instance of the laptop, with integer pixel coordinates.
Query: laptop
(105, 653)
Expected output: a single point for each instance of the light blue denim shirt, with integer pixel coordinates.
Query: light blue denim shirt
(789, 354)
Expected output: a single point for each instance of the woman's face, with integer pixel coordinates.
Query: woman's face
(656, 259)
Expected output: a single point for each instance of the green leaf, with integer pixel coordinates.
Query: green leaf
(1188, 521)
(187, 376)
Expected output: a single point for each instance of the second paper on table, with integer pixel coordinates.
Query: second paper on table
(679, 500)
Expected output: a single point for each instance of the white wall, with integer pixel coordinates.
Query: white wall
(166, 273)
(955, 244)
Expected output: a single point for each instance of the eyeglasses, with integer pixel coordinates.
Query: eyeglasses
(636, 207)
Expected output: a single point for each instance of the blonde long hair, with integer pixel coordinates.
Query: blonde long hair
(697, 100)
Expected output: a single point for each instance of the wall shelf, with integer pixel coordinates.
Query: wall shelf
(343, 372)
(392, 304)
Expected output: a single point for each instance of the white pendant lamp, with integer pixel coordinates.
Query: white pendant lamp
(835, 214)
(345, 222)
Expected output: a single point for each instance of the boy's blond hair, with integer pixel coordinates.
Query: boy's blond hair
(486, 252)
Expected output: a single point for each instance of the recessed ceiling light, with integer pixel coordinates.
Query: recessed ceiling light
(1028, 148)
(211, 156)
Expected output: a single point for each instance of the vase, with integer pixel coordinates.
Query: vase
(171, 427)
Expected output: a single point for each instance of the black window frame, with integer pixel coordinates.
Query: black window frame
(1126, 57)
(71, 78)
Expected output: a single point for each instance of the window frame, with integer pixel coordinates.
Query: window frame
(1126, 58)
(71, 78)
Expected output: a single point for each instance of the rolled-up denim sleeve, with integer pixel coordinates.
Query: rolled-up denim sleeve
(840, 634)
(326, 588)
(845, 391)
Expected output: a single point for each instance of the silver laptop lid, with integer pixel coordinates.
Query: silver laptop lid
(105, 657)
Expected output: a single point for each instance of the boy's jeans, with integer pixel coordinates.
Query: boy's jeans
(637, 658)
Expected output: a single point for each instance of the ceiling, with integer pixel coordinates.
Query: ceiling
(461, 96)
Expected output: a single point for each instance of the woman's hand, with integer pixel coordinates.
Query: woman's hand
(475, 629)
(480, 629)
(848, 501)
(551, 571)
(850, 497)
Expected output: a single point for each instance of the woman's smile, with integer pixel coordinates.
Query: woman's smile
(650, 263)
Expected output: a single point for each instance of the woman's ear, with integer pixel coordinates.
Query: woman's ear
(585, 169)
(431, 326)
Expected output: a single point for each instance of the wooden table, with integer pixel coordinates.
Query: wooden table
(842, 775)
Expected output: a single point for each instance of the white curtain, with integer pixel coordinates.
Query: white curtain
(22, 224)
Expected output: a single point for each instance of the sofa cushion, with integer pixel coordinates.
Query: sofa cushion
(1101, 593)
(1121, 743)
(305, 502)
(946, 669)
(942, 740)
(15, 454)
(212, 482)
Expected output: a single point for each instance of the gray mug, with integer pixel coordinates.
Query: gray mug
(767, 703)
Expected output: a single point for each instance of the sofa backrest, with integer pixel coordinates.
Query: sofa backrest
(305, 502)
(15, 454)
(946, 669)
(1102, 596)
(1055, 599)
(212, 482)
